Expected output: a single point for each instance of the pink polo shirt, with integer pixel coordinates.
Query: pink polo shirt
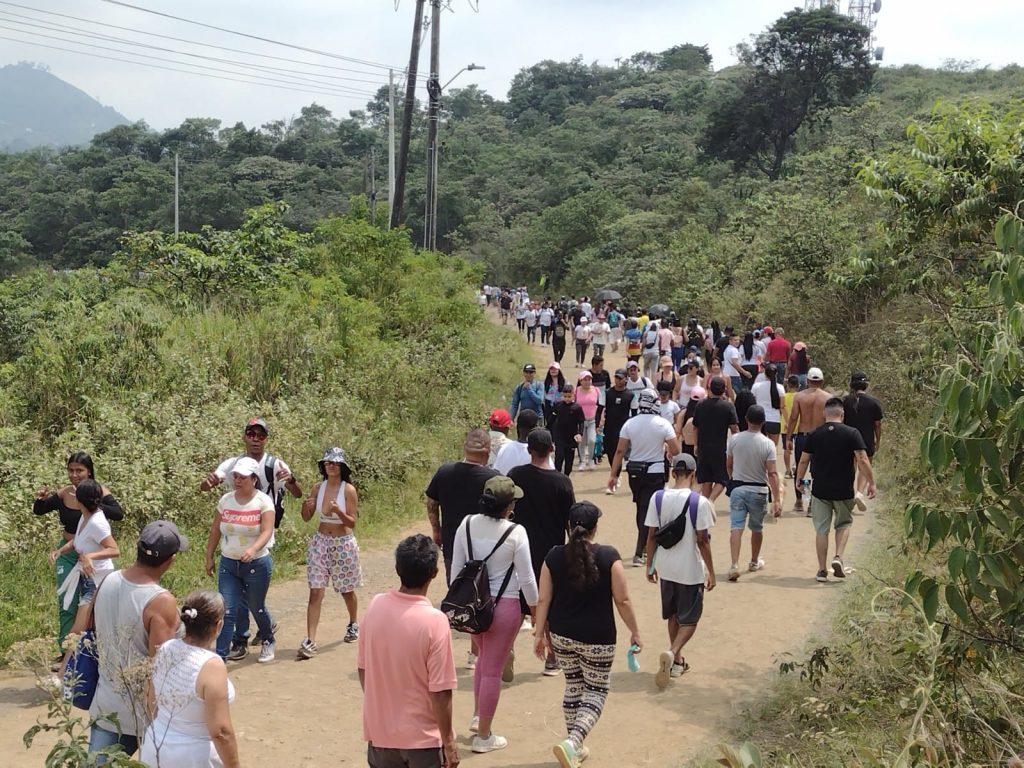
(405, 650)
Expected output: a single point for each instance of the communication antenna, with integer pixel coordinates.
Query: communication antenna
(813, 5)
(864, 12)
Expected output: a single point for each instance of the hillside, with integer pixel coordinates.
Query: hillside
(39, 109)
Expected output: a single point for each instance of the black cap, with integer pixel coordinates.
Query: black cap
(539, 440)
(161, 539)
(859, 377)
(529, 368)
(584, 514)
(620, 373)
(257, 422)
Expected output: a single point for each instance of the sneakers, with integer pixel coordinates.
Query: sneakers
(860, 502)
(238, 652)
(638, 561)
(508, 672)
(822, 576)
(837, 568)
(551, 668)
(566, 755)
(490, 744)
(308, 649)
(609, 492)
(734, 573)
(679, 669)
(665, 662)
(352, 632)
(267, 652)
(583, 752)
(753, 567)
(258, 638)
(471, 661)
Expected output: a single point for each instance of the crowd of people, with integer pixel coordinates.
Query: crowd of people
(705, 416)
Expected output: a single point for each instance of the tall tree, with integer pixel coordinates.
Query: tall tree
(802, 66)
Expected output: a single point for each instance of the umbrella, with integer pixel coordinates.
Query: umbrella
(661, 310)
(608, 294)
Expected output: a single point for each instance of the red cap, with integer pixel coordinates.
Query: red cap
(768, 330)
(500, 419)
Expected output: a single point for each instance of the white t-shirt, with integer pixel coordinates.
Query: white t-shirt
(89, 538)
(669, 410)
(763, 395)
(546, 315)
(223, 471)
(647, 434)
(587, 309)
(729, 354)
(515, 550)
(600, 331)
(240, 524)
(514, 454)
(682, 563)
(582, 332)
(531, 318)
(641, 383)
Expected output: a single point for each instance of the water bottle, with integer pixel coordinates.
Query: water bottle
(631, 660)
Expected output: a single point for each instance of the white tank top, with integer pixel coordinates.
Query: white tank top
(181, 714)
(340, 498)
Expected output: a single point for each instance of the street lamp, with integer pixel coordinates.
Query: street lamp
(435, 89)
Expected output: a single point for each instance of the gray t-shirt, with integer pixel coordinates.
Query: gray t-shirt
(750, 451)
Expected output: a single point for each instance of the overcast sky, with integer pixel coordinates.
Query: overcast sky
(503, 35)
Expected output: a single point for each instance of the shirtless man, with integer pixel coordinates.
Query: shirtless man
(809, 412)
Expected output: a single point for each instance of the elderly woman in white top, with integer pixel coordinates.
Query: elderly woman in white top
(492, 530)
(190, 694)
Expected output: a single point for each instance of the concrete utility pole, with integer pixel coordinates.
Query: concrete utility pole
(434, 90)
(175, 196)
(410, 105)
(373, 185)
(391, 144)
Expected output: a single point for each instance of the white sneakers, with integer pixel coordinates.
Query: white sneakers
(494, 742)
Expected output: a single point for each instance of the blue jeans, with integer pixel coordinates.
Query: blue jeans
(737, 383)
(237, 581)
(101, 738)
(747, 507)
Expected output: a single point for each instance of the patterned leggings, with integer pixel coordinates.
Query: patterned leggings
(587, 669)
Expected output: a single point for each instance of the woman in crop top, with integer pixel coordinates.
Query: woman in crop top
(686, 382)
(63, 502)
(511, 559)
(243, 527)
(333, 552)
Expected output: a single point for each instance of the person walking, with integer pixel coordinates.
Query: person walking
(243, 527)
(751, 462)
(645, 437)
(636, 383)
(864, 413)
(837, 452)
(567, 426)
(714, 418)
(778, 351)
(333, 552)
(528, 394)
(615, 321)
(134, 616)
(554, 383)
(599, 333)
(651, 353)
(581, 335)
(808, 413)
(579, 583)
(800, 363)
(499, 423)
(685, 571)
(532, 317)
(618, 408)
(190, 694)
(545, 318)
(591, 400)
(770, 395)
(559, 331)
(407, 669)
(510, 572)
(515, 453)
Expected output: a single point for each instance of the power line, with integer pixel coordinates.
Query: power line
(336, 90)
(293, 89)
(320, 78)
(178, 39)
(364, 62)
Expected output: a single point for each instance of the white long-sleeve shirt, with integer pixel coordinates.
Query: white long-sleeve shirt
(515, 550)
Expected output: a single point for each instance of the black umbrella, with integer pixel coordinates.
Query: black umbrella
(608, 295)
(661, 310)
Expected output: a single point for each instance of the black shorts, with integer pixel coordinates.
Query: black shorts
(772, 428)
(711, 467)
(685, 602)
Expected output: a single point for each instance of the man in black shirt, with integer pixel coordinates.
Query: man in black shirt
(713, 420)
(838, 451)
(864, 413)
(602, 380)
(618, 404)
(567, 429)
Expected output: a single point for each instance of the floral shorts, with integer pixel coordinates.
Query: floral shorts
(334, 559)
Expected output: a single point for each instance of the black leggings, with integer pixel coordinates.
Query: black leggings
(521, 322)
(558, 349)
(564, 453)
(644, 487)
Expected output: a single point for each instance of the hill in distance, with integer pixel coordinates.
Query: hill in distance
(37, 108)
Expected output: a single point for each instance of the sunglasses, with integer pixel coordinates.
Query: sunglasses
(256, 434)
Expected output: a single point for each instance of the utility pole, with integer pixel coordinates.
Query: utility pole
(410, 105)
(175, 196)
(434, 90)
(373, 186)
(391, 144)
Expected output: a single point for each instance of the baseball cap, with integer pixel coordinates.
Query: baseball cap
(815, 374)
(540, 440)
(799, 345)
(257, 422)
(161, 539)
(632, 364)
(698, 393)
(246, 466)
(693, 363)
(502, 490)
(585, 514)
(858, 376)
(555, 365)
(529, 368)
(684, 461)
(586, 375)
(620, 373)
(500, 418)
(768, 330)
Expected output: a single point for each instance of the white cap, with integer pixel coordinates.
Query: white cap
(815, 374)
(246, 466)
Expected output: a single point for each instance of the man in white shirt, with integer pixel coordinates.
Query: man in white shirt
(731, 358)
(645, 437)
(545, 318)
(636, 383)
(686, 569)
(517, 453)
(600, 331)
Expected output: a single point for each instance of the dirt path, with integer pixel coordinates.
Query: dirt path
(309, 713)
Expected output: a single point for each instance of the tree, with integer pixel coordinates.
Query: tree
(804, 65)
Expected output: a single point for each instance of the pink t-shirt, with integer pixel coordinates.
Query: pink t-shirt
(665, 339)
(588, 401)
(405, 651)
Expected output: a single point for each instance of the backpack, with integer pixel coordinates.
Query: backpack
(468, 604)
(613, 319)
(650, 338)
(670, 534)
(694, 338)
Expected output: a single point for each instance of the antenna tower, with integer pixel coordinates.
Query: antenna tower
(864, 13)
(813, 5)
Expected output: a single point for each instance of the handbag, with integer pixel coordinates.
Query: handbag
(670, 534)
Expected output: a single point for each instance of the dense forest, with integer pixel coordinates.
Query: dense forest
(873, 210)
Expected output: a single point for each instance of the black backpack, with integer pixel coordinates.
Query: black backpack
(468, 604)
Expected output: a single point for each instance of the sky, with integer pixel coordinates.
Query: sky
(502, 35)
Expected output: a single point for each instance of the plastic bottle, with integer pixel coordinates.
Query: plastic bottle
(631, 660)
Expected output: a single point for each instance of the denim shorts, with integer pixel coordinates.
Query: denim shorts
(86, 590)
(747, 507)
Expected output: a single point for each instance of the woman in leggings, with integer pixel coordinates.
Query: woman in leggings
(492, 531)
(579, 583)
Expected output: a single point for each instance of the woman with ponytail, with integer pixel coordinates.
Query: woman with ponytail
(190, 694)
(770, 395)
(579, 583)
